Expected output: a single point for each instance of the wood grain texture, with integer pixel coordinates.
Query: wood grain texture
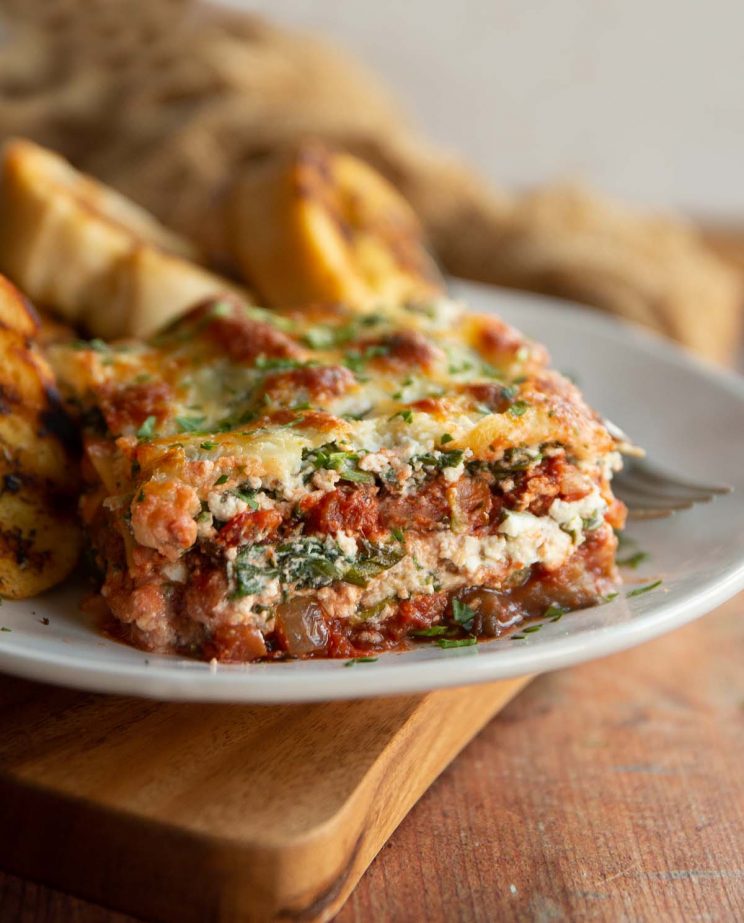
(195, 812)
(612, 791)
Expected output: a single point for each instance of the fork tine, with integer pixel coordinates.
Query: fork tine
(651, 493)
(637, 485)
(636, 502)
(646, 472)
(640, 515)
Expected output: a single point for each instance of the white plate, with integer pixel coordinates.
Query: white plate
(689, 416)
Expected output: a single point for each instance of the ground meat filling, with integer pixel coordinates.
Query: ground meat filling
(247, 528)
(353, 510)
(166, 599)
(474, 504)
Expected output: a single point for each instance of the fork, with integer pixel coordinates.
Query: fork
(650, 493)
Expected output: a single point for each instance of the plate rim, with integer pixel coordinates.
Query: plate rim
(227, 681)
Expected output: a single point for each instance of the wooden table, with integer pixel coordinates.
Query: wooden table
(614, 790)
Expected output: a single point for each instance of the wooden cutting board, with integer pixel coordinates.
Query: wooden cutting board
(217, 812)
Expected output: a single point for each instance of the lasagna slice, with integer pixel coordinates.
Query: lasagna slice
(330, 483)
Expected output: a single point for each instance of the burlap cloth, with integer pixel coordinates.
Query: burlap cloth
(171, 101)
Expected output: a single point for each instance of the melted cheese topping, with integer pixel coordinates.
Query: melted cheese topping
(264, 388)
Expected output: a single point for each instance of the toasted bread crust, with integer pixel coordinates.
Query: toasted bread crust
(40, 537)
(320, 225)
(89, 254)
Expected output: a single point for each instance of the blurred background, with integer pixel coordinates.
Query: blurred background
(642, 98)
(588, 151)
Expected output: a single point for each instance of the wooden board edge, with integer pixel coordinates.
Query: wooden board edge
(378, 807)
(62, 836)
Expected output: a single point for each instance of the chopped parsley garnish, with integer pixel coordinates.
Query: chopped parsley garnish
(190, 424)
(644, 589)
(593, 522)
(518, 408)
(147, 429)
(555, 612)
(207, 446)
(397, 534)
(455, 369)
(5, 628)
(406, 415)
(375, 351)
(609, 597)
(296, 422)
(446, 438)
(356, 359)
(462, 615)
(248, 497)
(634, 560)
(489, 370)
(350, 663)
(371, 612)
(277, 363)
(432, 632)
(456, 642)
(407, 382)
(98, 345)
(354, 362)
(221, 309)
(325, 337)
(321, 337)
(268, 317)
(331, 457)
(222, 479)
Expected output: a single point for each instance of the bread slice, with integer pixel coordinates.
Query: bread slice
(40, 537)
(89, 254)
(322, 226)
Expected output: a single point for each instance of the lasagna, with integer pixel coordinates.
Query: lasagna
(336, 483)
